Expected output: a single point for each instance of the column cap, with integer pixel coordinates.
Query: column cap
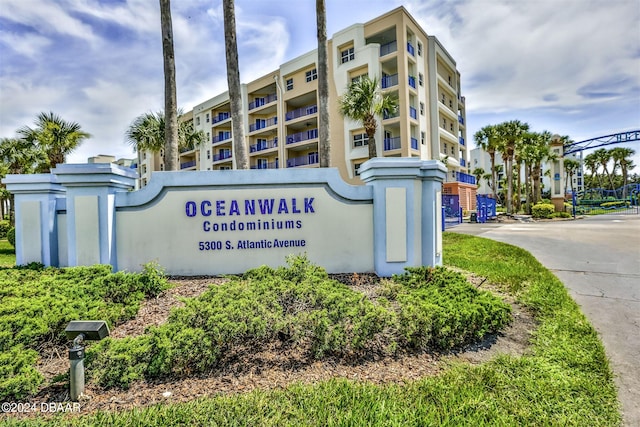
(401, 168)
(95, 174)
(33, 183)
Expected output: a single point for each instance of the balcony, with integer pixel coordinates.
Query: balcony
(187, 165)
(222, 136)
(269, 165)
(222, 156)
(461, 140)
(309, 159)
(302, 136)
(389, 81)
(413, 113)
(263, 145)
(301, 112)
(388, 48)
(460, 120)
(463, 162)
(412, 81)
(410, 49)
(259, 102)
(414, 143)
(465, 178)
(392, 143)
(221, 117)
(263, 123)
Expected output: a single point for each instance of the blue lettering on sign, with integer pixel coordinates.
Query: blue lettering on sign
(266, 206)
(205, 208)
(190, 208)
(233, 209)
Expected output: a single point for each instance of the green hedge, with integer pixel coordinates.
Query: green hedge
(11, 236)
(38, 303)
(542, 210)
(301, 306)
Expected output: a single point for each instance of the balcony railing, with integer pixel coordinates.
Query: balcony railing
(259, 102)
(223, 136)
(463, 162)
(220, 117)
(461, 120)
(465, 178)
(412, 81)
(309, 159)
(388, 48)
(413, 113)
(302, 136)
(263, 145)
(270, 165)
(187, 165)
(410, 49)
(461, 140)
(392, 143)
(389, 81)
(301, 112)
(222, 156)
(414, 143)
(386, 115)
(262, 123)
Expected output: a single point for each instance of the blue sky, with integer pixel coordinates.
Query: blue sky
(568, 66)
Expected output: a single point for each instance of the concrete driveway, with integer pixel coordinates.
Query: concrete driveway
(598, 260)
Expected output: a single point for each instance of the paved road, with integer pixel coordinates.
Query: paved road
(598, 260)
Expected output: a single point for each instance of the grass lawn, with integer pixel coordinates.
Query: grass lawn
(564, 381)
(7, 254)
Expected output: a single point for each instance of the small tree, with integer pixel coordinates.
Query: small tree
(362, 102)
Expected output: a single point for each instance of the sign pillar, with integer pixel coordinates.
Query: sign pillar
(407, 212)
(36, 197)
(91, 192)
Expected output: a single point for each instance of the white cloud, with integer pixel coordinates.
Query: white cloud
(29, 45)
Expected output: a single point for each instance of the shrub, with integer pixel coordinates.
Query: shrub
(299, 305)
(5, 226)
(11, 236)
(542, 210)
(616, 204)
(560, 215)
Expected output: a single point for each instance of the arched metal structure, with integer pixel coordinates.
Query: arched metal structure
(601, 141)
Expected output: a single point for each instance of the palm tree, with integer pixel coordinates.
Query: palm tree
(486, 139)
(362, 102)
(147, 133)
(324, 144)
(621, 155)
(478, 173)
(592, 164)
(233, 80)
(170, 98)
(571, 166)
(604, 156)
(55, 137)
(510, 136)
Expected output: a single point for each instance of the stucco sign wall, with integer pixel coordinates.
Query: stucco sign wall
(224, 222)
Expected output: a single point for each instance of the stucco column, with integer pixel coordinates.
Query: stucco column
(406, 192)
(36, 197)
(90, 202)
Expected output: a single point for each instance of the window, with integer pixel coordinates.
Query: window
(422, 138)
(419, 49)
(262, 163)
(360, 139)
(289, 84)
(356, 169)
(347, 55)
(198, 121)
(421, 79)
(311, 75)
(422, 108)
(451, 127)
(207, 118)
(208, 137)
(357, 78)
(208, 154)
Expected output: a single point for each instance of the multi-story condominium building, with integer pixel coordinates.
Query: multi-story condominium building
(281, 113)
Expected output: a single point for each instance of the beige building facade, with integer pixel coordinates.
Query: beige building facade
(281, 107)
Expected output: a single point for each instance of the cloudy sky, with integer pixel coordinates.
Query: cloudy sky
(568, 66)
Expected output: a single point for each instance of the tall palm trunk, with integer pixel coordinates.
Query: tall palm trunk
(170, 98)
(494, 175)
(233, 80)
(324, 145)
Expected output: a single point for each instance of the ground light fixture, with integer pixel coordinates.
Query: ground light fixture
(79, 331)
